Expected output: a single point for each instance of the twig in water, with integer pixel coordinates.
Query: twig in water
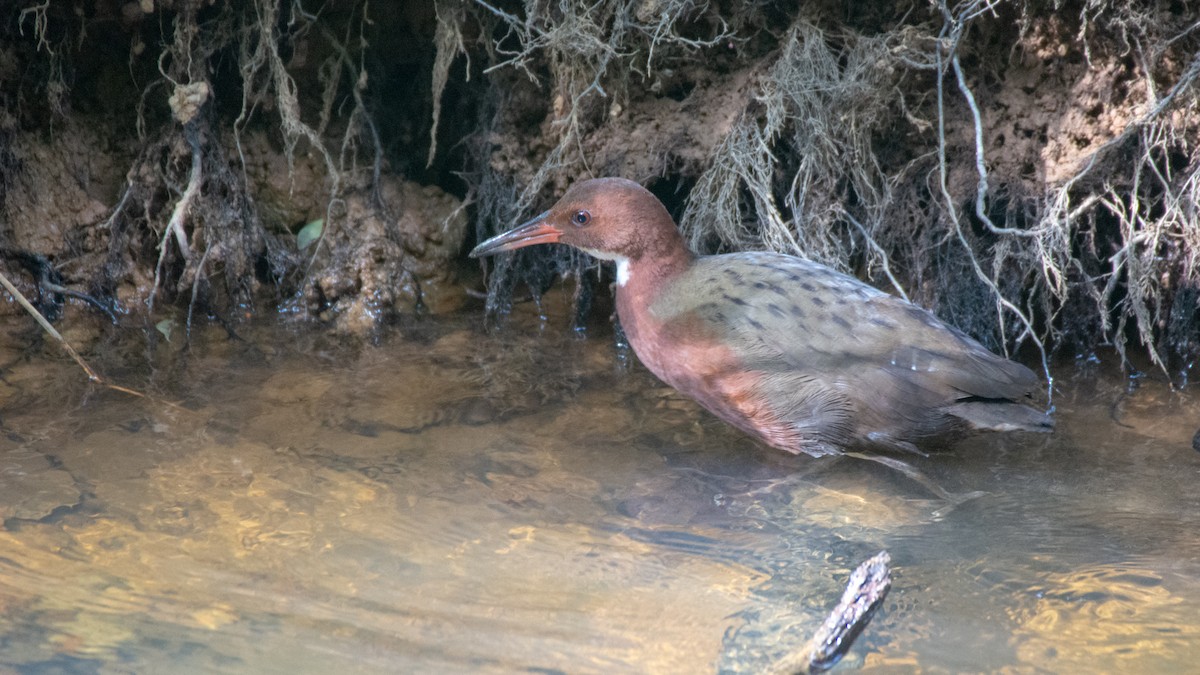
(868, 586)
(92, 376)
(37, 316)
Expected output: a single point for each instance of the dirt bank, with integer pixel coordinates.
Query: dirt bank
(1026, 169)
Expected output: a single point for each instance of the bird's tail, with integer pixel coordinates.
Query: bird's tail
(1002, 416)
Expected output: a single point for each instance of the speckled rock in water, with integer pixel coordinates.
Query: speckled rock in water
(1196, 441)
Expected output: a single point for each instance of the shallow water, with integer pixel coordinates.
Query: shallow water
(526, 500)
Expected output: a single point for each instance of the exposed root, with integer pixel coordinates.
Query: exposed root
(1156, 213)
(816, 106)
(449, 40)
(952, 33)
(175, 224)
(259, 56)
(588, 49)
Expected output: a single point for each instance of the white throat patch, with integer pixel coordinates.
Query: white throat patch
(622, 271)
(622, 264)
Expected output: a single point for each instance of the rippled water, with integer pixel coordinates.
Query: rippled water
(527, 500)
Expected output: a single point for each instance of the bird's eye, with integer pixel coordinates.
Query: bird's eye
(581, 218)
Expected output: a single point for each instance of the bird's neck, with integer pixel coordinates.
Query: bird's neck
(653, 268)
(640, 281)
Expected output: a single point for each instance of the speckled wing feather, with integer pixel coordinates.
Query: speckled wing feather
(814, 319)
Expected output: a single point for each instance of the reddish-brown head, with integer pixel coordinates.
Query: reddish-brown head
(610, 218)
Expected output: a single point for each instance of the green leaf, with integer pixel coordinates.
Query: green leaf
(309, 233)
(165, 327)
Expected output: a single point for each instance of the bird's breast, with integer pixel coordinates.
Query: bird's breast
(685, 351)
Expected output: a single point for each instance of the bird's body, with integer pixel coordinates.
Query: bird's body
(805, 358)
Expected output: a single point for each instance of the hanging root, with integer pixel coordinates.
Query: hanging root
(449, 41)
(264, 75)
(1156, 213)
(593, 51)
(175, 224)
(948, 58)
(815, 108)
(213, 228)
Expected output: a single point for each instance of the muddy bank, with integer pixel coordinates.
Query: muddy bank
(1025, 169)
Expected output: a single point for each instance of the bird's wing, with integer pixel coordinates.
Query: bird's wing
(780, 312)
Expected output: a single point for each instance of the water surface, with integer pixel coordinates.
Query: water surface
(529, 500)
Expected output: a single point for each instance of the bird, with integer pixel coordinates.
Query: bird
(794, 353)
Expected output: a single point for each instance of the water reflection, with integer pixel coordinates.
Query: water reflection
(453, 501)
